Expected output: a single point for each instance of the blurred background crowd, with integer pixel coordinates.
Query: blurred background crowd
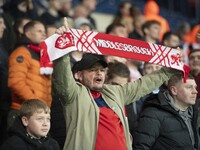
(173, 23)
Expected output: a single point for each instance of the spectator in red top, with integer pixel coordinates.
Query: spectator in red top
(94, 111)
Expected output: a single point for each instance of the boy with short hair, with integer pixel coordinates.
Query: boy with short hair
(30, 129)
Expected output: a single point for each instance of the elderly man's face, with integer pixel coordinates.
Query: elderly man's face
(93, 78)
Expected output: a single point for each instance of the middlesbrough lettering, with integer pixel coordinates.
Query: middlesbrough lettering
(123, 47)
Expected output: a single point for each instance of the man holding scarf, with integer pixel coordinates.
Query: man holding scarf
(94, 111)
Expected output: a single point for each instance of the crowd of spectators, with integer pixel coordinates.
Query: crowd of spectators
(18, 17)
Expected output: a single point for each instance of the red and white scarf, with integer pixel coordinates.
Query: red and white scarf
(47, 68)
(57, 46)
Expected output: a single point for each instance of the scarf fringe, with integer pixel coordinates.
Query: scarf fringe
(46, 71)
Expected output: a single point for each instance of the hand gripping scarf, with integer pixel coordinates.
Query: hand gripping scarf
(57, 46)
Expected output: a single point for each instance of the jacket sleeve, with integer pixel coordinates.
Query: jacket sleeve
(148, 130)
(19, 62)
(6, 146)
(13, 143)
(135, 90)
(63, 83)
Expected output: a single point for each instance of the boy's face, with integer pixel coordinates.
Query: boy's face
(38, 124)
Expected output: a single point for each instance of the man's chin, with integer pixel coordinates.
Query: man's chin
(97, 88)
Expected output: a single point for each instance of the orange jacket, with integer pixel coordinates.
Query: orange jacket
(194, 32)
(24, 78)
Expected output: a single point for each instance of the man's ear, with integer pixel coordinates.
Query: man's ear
(173, 90)
(78, 75)
(24, 121)
(28, 34)
(146, 31)
(165, 42)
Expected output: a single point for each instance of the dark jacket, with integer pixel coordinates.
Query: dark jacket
(197, 79)
(11, 7)
(5, 96)
(162, 128)
(58, 125)
(49, 19)
(20, 140)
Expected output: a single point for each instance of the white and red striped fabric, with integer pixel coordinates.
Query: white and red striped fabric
(104, 44)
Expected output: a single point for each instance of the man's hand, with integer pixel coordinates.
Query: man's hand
(63, 28)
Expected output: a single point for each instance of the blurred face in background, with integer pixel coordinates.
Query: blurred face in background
(125, 10)
(118, 80)
(2, 27)
(149, 68)
(173, 41)
(113, 59)
(138, 22)
(85, 27)
(66, 5)
(1, 3)
(80, 11)
(90, 4)
(194, 61)
(56, 4)
(23, 6)
(198, 37)
(51, 30)
(154, 31)
(120, 31)
(128, 23)
(37, 34)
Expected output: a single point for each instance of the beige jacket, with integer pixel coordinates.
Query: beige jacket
(82, 113)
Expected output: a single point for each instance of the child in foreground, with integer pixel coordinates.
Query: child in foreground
(30, 129)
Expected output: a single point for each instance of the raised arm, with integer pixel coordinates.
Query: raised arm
(63, 84)
(133, 91)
